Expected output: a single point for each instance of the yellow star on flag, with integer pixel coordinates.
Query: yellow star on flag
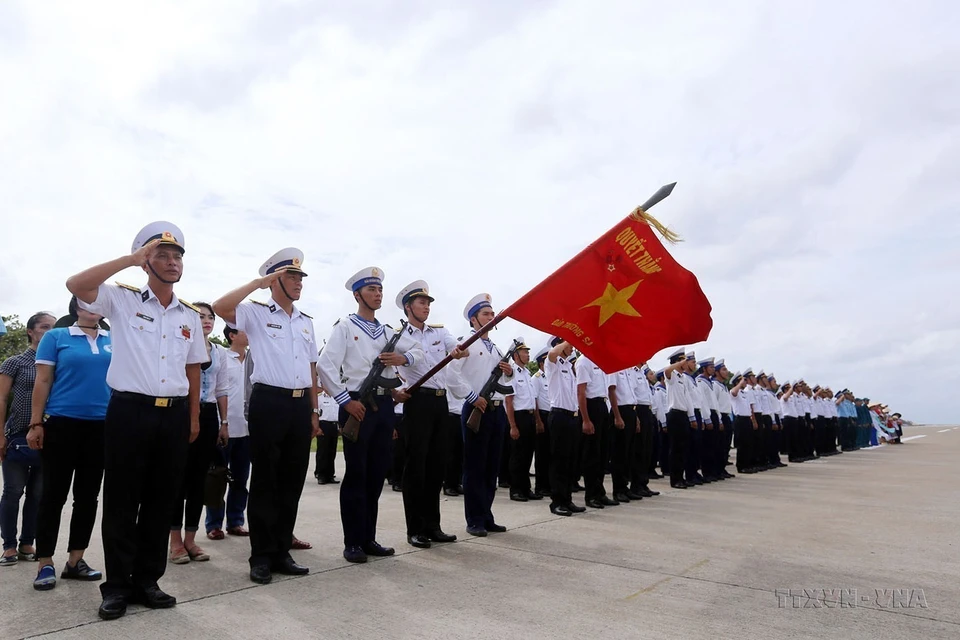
(613, 302)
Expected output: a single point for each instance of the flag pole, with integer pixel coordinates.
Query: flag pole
(659, 196)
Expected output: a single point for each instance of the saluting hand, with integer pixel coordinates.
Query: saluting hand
(266, 281)
(141, 256)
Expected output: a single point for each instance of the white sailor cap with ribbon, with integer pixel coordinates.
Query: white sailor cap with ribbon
(718, 364)
(166, 232)
(691, 355)
(417, 288)
(542, 353)
(365, 277)
(706, 362)
(289, 259)
(678, 354)
(477, 302)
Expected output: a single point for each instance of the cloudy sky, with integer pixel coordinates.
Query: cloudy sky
(479, 145)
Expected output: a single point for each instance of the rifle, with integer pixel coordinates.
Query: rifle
(491, 386)
(368, 387)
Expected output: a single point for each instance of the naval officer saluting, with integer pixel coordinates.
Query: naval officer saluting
(283, 413)
(154, 411)
(356, 343)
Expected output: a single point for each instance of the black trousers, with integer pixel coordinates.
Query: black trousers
(367, 460)
(326, 457)
(791, 434)
(541, 462)
(820, 435)
(562, 427)
(593, 449)
(481, 463)
(425, 418)
(726, 439)
(521, 452)
(694, 445)
(678, 427)
(506, 454)
(712, 440)
(189, 504)
(72, 453)
(398, 451)
(145, 448)
(664, 449)
(643, 447)
(622, 449)
(760, 441)
(280, 433)
(453, 476)
(773, 440)
(654, 446)
(745, 443)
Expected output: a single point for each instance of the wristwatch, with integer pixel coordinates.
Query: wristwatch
(223, 423)
(317, 411)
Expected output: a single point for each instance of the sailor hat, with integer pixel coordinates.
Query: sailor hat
(289, 259)
(415, 289)
(363, 278)
(477, 302)
(165, 232)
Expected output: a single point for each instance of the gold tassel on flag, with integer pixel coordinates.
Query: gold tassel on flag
(668, 234)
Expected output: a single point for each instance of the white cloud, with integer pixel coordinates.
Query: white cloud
(480, 145)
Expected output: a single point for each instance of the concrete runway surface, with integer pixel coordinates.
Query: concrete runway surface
(860, 545)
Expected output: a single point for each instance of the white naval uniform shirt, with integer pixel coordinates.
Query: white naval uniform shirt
(476, 368)
(329, 409)
(789, 406)
(152, 345)
(524, 389)
(233, 369)
(283, 346)
(753, 397)
(543, 390)
(435, 342)
(774, 403)
(677, 394)
(722, 395)
(642, 390)
(590, 374)
(693, 394)
(741, 403)
(708, 398)
(349, 354)
(659, 393)
(625, 382)
(562, 384)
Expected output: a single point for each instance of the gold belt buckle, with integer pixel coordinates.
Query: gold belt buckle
(161, 402)
(298, 393)
(440, 392)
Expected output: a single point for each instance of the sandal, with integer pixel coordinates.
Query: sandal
(215, 534)
(300, 545)
(9, 561)
(179, 556)
(197, 554)
(29, 556)
(238, 531)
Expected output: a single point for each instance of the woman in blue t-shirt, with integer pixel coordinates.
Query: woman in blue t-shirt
(68, 411)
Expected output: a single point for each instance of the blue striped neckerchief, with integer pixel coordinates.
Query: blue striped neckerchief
(486, 342)
(373, 329)
(709, 381)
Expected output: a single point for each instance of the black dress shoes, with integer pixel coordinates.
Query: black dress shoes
(576, 509)
(396, 487)
(608, 502)
(440, 536)
(593, 503)
(577, 487)
(493, 527)
(560, 510)
(453, 493)
(376, 549)
(624, 497)
(154, 598)
(647, 492)
(112, 607)
(290, 568)
(679, 485)
(419, 541)
(354, 554)
(633, 495)
(518, 497)
(260, 574)
(534, 496)
(479, 532)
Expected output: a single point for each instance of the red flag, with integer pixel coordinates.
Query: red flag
(621, 300)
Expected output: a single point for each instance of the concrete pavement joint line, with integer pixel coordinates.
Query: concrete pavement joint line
(656, 584)
(908, 438)
(944, 430)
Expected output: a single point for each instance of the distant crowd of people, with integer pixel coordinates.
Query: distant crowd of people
(146, 410)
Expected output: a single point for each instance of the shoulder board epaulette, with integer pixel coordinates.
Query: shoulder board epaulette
(435, 326)
(460, 339)
(262, 304)
(337, 322)
(190, 306)
(307, 315)
(128, 287)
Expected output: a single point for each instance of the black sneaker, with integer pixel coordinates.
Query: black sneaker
(81, 571)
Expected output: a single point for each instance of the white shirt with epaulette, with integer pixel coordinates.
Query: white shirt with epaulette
(152, 344)
(543, 390)
(435, 342)
(350, 352)
(476, 368)
(562, 384)
(524, 389)
(283, 346)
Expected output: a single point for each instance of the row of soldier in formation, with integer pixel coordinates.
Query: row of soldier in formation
(591, 419)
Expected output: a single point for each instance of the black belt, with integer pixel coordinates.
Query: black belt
(566, 412)
(424, 391)
(523, 411)
(379, 391)
(280, 391)
(496, 403)
(152, 401)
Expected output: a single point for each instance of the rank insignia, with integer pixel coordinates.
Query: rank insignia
(185, 332)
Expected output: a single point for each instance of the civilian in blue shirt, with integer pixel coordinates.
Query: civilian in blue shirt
(68, 411)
